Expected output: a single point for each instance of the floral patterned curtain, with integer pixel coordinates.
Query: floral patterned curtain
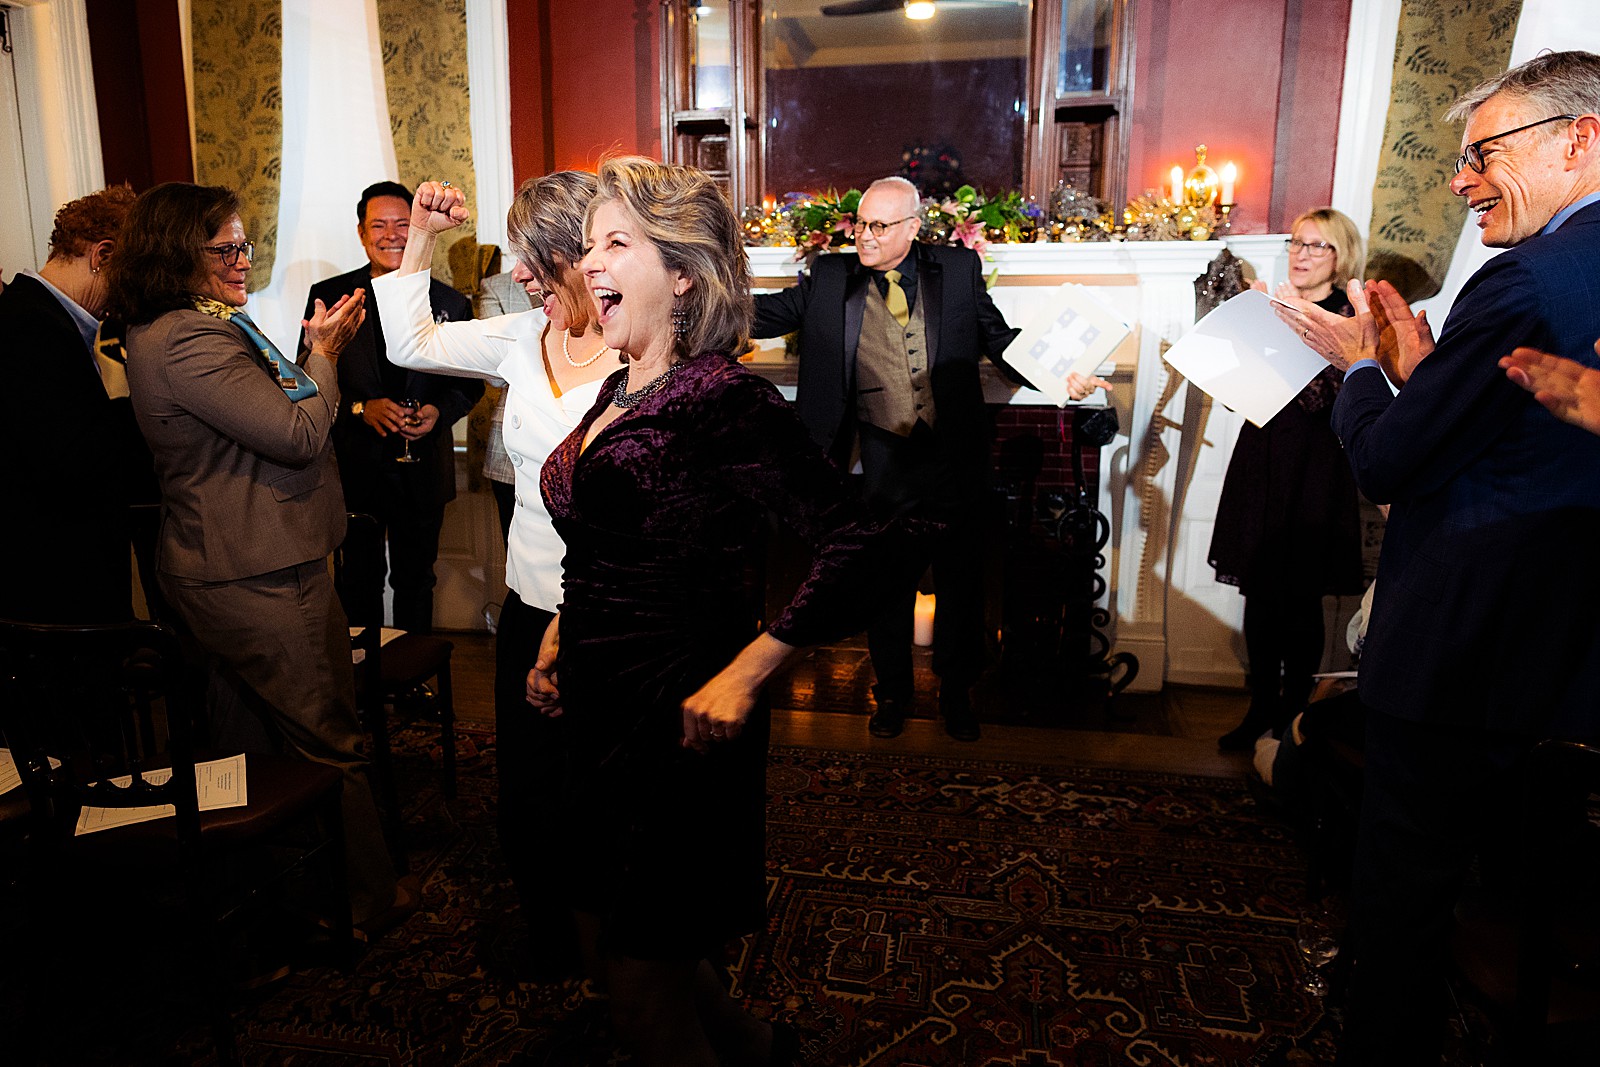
(1444, 48)
(425, 76)
(238, 107)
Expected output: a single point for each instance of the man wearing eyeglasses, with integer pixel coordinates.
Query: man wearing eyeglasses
(1472, 655)
(890, 338)
(376, 428)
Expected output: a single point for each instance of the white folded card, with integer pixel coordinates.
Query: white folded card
(218, 784)
(10, 777)
(1072, 333)
(1247, 358)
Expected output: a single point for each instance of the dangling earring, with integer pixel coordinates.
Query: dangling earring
(680, 320)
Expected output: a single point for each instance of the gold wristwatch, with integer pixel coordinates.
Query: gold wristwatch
(358, 407)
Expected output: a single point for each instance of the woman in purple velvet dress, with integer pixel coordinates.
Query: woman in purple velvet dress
(660, 492)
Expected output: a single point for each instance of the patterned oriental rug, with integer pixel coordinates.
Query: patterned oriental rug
(923, 913)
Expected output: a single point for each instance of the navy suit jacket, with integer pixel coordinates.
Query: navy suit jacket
(1486, 613)
(366, 461)
(827, 306)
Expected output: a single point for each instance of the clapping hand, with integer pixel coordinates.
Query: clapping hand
(438, 207)
(1338, 339)
(1404, 339)
(328, 330)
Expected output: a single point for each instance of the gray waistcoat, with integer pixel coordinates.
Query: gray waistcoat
(893, 390)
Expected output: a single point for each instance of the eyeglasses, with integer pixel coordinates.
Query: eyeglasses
(1472, 155)
(230, 253)
(878, 228)
(1314, 249)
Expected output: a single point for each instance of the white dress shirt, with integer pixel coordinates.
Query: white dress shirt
(501, 349)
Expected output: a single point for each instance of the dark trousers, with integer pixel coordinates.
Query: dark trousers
(929, 476)
(412, 532)
(281, 681)
(505, 503)
(1283, 635)
(1434, 797)
(530, 762)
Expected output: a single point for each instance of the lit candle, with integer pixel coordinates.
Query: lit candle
(1229, 174)
(922, 621)
(1177, 185)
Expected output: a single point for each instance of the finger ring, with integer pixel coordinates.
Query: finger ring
(1306, 333)
(445, 185)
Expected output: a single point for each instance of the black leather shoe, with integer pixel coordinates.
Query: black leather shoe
(889, 719)
(955, 708)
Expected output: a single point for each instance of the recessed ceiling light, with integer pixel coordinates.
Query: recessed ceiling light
(920, 10)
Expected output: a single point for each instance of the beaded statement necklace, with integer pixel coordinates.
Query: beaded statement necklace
(624, 399)
(566, 337)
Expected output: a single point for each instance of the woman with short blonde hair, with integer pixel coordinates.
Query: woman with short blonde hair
(1288, 527)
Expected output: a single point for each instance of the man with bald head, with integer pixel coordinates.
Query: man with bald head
(890, 337)
(1472, 656)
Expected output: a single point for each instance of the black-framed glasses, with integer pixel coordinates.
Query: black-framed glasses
(230, 253)
(878, 228)
(1472, 155)
(1314, 249)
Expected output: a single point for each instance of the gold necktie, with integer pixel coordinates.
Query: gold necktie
(897, 298)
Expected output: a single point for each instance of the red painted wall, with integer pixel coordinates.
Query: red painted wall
(137, 54)
(1258, 82)
(585, 81)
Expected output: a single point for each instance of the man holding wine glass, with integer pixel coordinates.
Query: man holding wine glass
(392, 437)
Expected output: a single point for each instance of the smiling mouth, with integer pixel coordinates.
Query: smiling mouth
(609, 299)
(1483, 207)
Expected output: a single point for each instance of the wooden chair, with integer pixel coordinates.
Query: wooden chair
(390, 665)
(83, 705)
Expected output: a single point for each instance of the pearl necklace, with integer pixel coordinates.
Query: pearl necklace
(566, 336)
(624, 399)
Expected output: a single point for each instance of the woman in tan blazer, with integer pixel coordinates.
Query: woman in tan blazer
(251, 502)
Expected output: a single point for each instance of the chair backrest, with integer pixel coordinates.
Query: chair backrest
(105, 701)
(363, 530)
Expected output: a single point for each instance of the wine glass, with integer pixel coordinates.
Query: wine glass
(411, 408)
(1317, 936)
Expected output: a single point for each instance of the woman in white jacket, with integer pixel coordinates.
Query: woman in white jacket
(552, 360)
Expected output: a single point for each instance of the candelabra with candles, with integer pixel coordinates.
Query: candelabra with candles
(1203, 189)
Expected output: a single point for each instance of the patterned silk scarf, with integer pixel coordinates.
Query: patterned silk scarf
(295, 382)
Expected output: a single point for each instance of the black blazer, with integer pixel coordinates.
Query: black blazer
(827, 307)
(362, 454)
(1487, 611)
(74, 462)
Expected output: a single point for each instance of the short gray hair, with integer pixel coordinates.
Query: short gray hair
(1564, 83)
(544, 226)
(904, 186)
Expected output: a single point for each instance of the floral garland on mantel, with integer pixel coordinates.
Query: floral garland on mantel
(814, 222)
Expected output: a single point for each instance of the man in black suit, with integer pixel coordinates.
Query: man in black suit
(75, 459)
(374, 428)
(889, 348)
(1472, 655)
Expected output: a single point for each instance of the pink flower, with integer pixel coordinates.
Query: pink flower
(970, 233)
(844, 223)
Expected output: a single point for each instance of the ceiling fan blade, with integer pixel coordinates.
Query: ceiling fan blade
(862, 7)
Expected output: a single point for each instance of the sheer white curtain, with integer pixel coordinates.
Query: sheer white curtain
(336, 142)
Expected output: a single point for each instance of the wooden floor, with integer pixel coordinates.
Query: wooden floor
(1174, 731)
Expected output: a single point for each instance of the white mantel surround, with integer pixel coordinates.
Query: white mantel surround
(1160, 477)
